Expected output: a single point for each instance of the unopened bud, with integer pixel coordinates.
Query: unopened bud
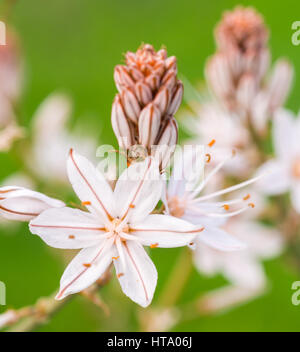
(130, 104)
(149, 125)
(121, 125)
(176, 99)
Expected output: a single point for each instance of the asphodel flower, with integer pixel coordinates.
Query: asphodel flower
(183, 199)
(284, 170)
(149, 96)
(10, 86)
(114, 229)
(50, 129)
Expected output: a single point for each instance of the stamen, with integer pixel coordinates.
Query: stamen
(226, 206)
(208, 158)
(87, 265)
(247, 197)
(119, 275)
(219, 215)
(228, 189)
(210, 175)
(71, 237)
(115, 258)
(252, 205)
(154, 245)
(132, 206)
(86, 203)
(211, 143)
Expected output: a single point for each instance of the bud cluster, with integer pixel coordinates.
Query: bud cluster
(237, 71)
(149, 96)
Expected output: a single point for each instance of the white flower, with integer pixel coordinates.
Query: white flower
(21, 204)
(182, 200)
(228, 132)
(284, 170)
(52, 140)
(114, 229)
(242, 268)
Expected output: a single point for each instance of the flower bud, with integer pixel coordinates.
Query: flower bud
(131, 105)
(176, 99)
(149, 125)
(121, 125)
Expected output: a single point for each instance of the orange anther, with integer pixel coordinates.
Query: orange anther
(86, 203)
(226, 206)
(252, 205)
(87, 265)
(208, 158)
(72, 237)
(119, 275)
(212, 142)
(132, 206)
(154, 245)
(246, 197)
(115, 258)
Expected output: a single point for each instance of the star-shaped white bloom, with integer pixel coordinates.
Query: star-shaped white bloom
(50, 128)
(242, 268)
(115, 228)
(283, 172)
(183, 201)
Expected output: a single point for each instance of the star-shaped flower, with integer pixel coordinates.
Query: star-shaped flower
(115, 228)
(182, 199)
(283, 172)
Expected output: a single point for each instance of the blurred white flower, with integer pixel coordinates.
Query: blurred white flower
(243, 269)
(52, 140)
(283, 172)
(10, 87)
(7, 318)
(227, 131)
(114, 229)
(182, 199)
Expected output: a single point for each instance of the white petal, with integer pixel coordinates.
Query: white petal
(87, 267)
(68, 228)
(90, 186)
(276, 177)
(188, 170)
(138, 279)
(220, 239)
(17, 203)
(245, 271)
(262, 241)
(284, 134)
(138, 190)
(295, 195)
(205, 259)
(165, 231)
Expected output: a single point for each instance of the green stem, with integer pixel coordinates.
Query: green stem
(177, 280)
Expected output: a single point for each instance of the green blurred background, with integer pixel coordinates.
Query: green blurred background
(73, 45)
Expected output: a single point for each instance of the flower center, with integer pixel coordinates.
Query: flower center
(176, 206)
(296, 168)
(116, 227)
